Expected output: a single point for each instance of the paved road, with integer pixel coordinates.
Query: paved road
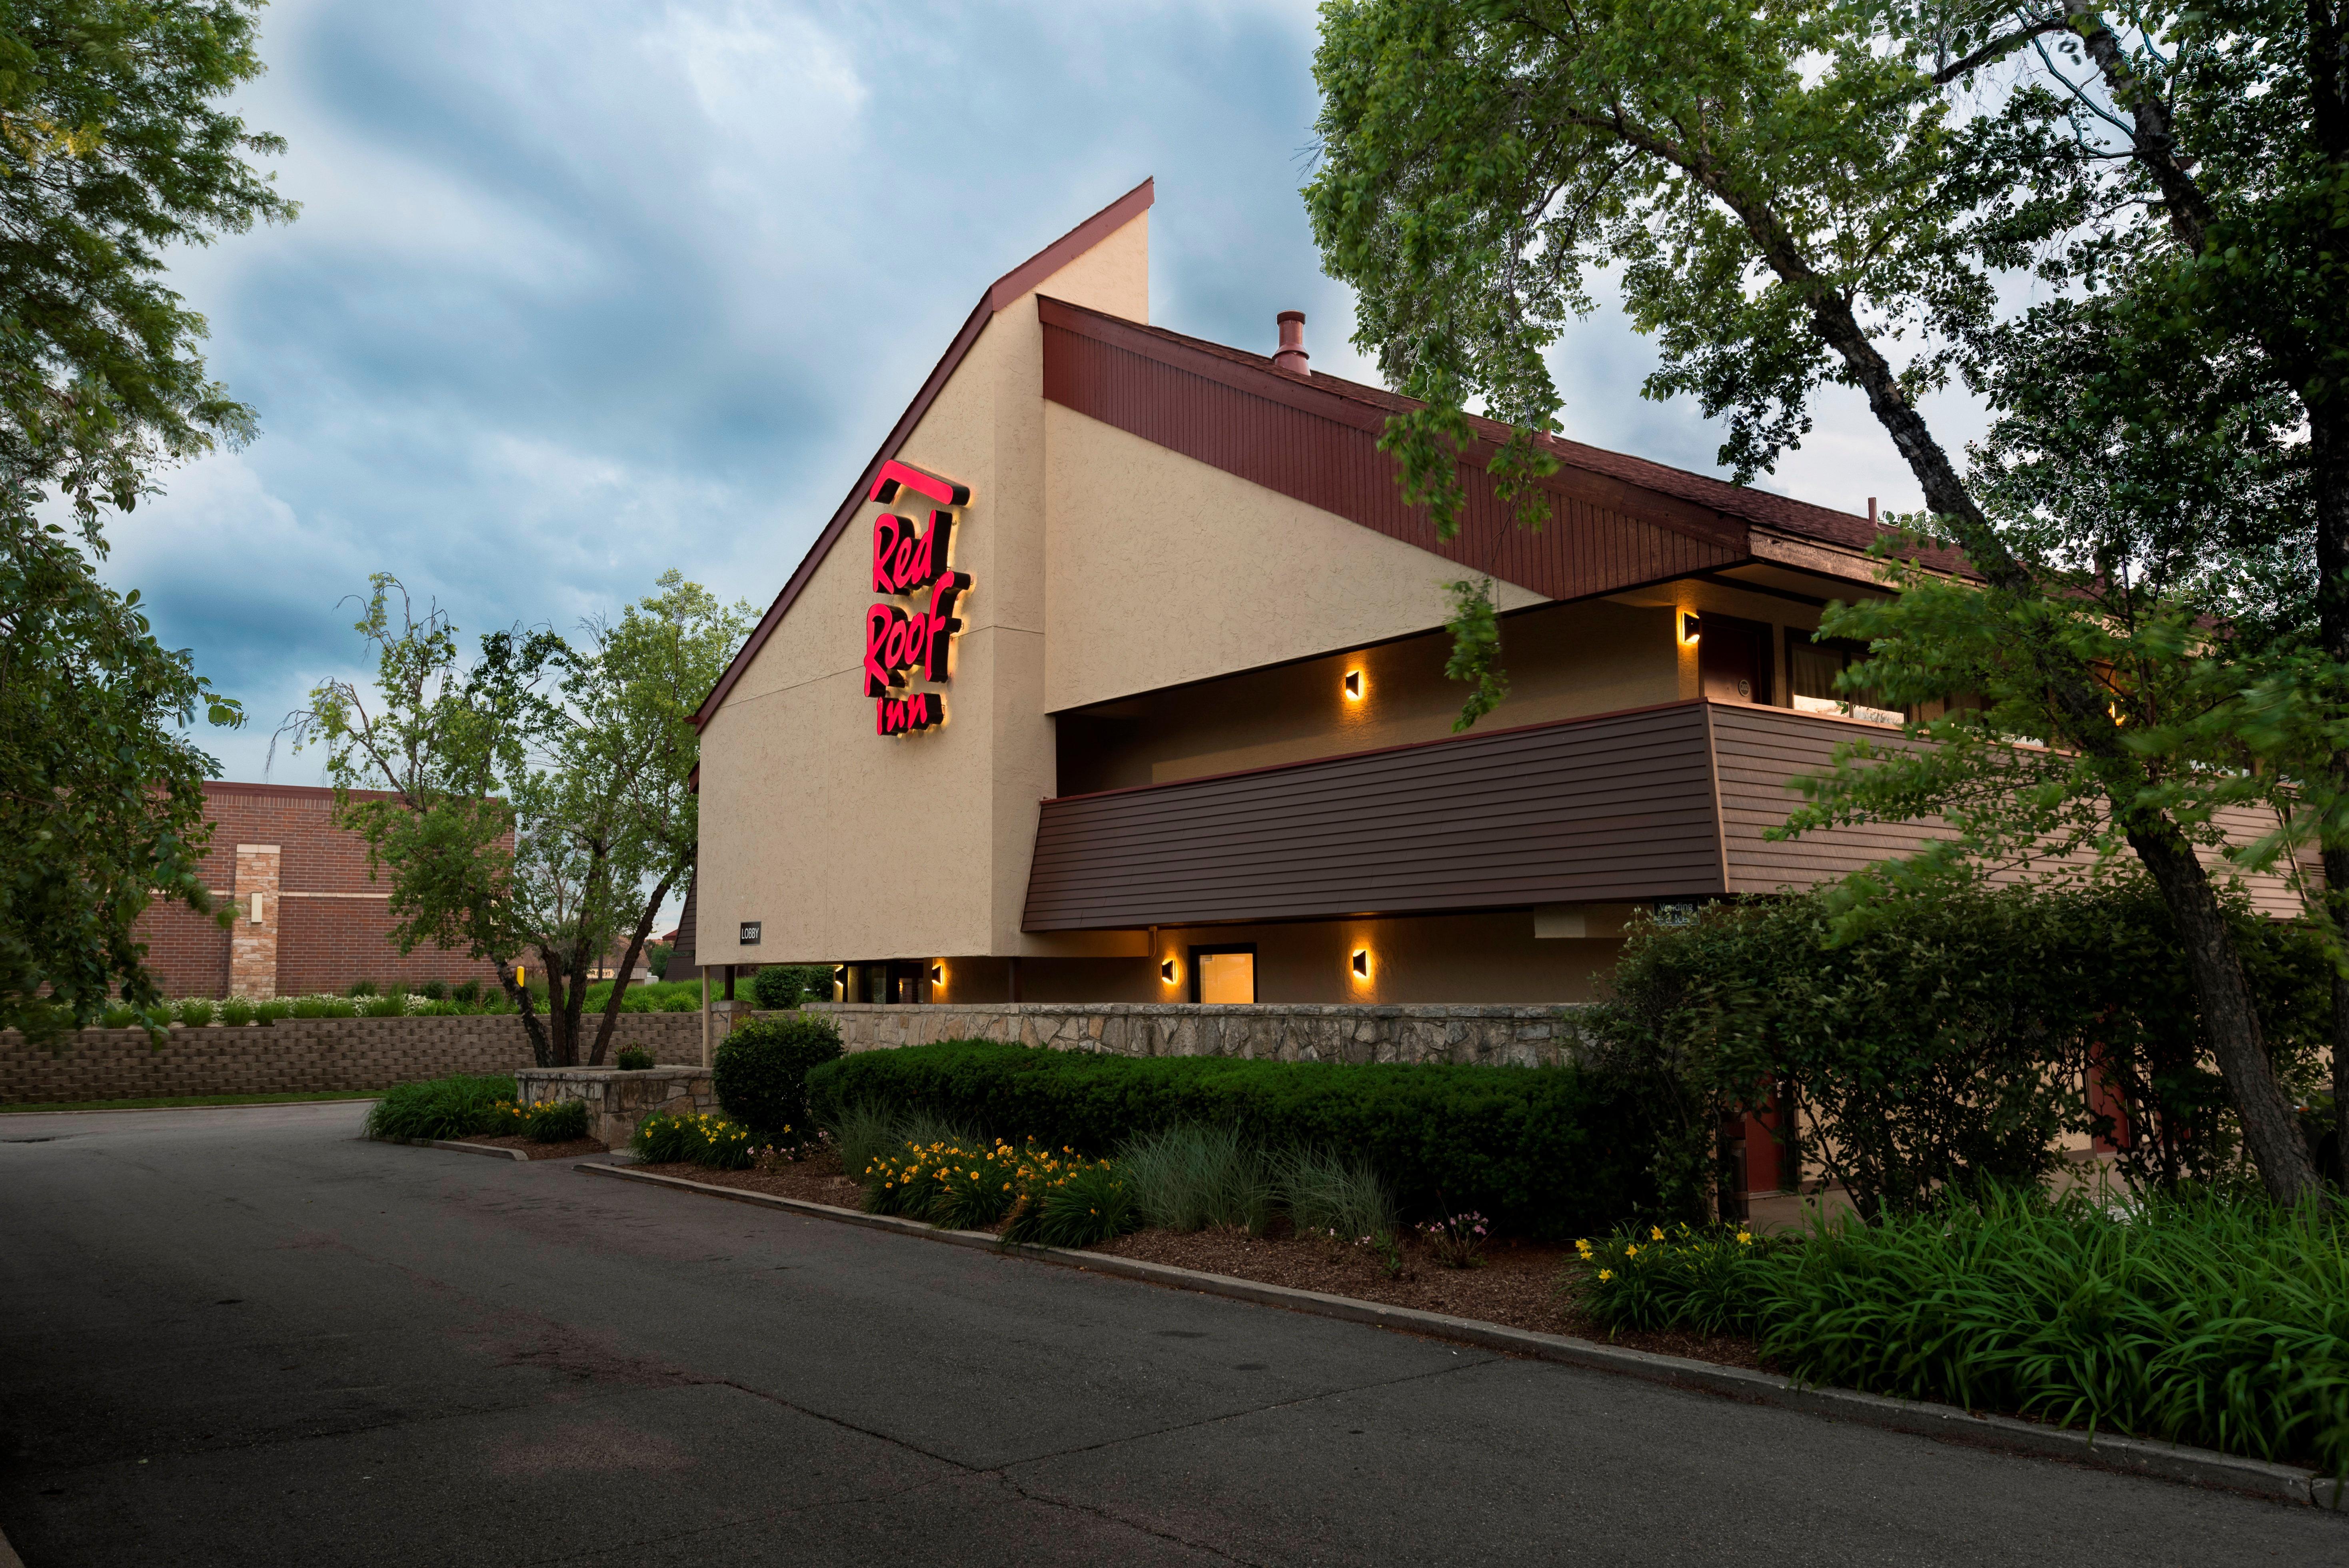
(243, 1336)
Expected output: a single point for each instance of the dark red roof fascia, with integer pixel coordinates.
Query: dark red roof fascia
(1002, 292)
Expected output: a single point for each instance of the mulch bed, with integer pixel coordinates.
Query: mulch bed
(1517, 1287)
(569, 1149)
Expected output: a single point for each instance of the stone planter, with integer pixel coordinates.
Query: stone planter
(618, 1100)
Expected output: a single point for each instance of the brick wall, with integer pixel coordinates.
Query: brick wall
(298, 1055)
(324, 922)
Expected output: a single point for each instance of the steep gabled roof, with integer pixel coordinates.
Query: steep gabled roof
(1353, 404)
(1010, 287)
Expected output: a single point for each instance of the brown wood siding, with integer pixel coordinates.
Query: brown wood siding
(1323, 450)
(1616, 807)
(1760, 749)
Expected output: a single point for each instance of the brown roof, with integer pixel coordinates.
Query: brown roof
(1780, 514)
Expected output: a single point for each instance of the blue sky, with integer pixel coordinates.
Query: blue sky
(583, 291)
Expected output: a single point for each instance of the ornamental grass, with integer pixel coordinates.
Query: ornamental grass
(460, 1105)
(544, 1120)
(2202, 1318)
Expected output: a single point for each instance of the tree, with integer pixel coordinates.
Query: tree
(112, 151)
(535, 802)
(102, 801)
(1800, 193)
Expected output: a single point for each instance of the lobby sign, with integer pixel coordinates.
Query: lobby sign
(913, 563)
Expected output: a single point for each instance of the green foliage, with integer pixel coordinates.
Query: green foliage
(101, 797)
(236, 1011)
(196, 1012)
(779, 986)
(533, 800)
(1939, 1039)
(466, 992)
(695, 1140)
(556, 1120)
(2192, 1319)
(1326, 1194)
(391, 1006)
(1191, 1178)
(362, 988)
(657, 957)
(460, 1106)
(269, 1012)
(761, 1072)
(434, 990)
(1086, 1204)
(1546, 1151)
(1647, 1277)
(634, 1059)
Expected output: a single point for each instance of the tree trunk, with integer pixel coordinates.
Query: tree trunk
(627, 969)
(2230, 1023)
(542, 1049)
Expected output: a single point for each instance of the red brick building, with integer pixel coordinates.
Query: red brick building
(308, 917)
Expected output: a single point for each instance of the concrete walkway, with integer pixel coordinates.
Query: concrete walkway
(241, 1337)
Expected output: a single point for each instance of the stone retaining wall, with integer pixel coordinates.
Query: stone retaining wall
(1489, 1035)
(617, 1101)
(297, 1056)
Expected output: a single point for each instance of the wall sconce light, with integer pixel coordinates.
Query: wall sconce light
(1361, 963)
(1691, 627)
(1166, 971)
(937, 974)
(1353, 685)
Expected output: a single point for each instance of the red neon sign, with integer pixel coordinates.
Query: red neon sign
(917, 639)
(893, 474)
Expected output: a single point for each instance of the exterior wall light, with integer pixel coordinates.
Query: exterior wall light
(1353, 685)
(1166, 971)
(937, 974)
(840, 983)
(1361, 963)
(1691, 627)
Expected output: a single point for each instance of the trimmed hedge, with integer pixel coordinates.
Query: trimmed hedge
(761, 1072)
(1546, 1151)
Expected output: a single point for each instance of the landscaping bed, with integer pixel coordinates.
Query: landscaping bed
(1517, 1287)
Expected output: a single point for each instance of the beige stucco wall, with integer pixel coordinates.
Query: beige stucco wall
(1163, 569)
(845, 845)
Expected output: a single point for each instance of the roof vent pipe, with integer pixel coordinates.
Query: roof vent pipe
(1292, 356)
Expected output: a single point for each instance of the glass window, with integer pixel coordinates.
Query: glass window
(1226, 975)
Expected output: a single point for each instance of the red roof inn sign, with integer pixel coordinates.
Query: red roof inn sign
(916, 566)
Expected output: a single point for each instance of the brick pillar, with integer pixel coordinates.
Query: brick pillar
(253, 940)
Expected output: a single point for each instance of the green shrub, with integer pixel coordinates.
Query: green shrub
(392, 1004)
(269, 1012)
(1089, 1204)
(361, 988)
(1940, 1037)
(1191, 1178)
(119, 1015)
(434, 990)
(457, 1107)
(466, 992)
(679, 1002)
(761, 1072)
(557, 1120)
(634, 1059)
(236, 1011)
(1546, 1151)
(780, 986)
(195, 1012)
(2191, 1318)
(711, 1141)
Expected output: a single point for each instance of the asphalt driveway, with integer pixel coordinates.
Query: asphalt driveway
(244, 1336)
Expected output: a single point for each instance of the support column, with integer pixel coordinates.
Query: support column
(252, 940)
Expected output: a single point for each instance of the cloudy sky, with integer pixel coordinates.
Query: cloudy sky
(584, 290)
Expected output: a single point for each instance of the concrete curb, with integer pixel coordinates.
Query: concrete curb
(491, 1149)
(160, 1109)
(1945, 1423)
